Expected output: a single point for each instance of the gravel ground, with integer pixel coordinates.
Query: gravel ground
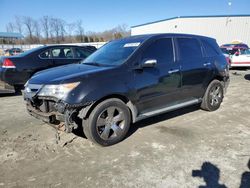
(184, 148)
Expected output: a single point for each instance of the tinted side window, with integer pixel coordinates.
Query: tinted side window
(189, 48)
(62, 53)
(45, 54)
(209, 49)
(81, 53)
(161, 50)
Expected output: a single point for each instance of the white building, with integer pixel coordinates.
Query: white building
(224, 29)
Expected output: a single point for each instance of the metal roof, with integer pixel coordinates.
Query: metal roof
(208, 16)
(10, 35)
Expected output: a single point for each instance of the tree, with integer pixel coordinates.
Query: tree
(96, 39)
(62, 29)
(10, 27)
(57, 29)
(80, 30)
(45, 25)
(101, 39)
(86, 39)
(37, 31)
(91, 39)
(117, 35)
(70, 30)
(18, 24)
(29, 24)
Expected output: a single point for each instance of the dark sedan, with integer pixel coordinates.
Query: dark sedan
(15, 71)
(13, 51)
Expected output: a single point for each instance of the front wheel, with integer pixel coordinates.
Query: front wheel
(108, 123)
(213, 96)
(18, 89)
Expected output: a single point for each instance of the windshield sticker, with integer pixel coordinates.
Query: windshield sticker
(135, 44)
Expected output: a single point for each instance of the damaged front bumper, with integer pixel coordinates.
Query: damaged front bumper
(59, 114)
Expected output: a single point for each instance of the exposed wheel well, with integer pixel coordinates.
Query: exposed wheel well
(218, 78)
(117, 96)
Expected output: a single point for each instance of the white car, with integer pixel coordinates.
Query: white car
(241, 58)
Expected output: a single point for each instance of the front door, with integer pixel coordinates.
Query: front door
(158, 86)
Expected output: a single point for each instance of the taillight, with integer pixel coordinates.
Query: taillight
(228, 60)
(7, 63)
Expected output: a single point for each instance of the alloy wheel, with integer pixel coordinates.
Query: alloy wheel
(110, 123)
(215, 95)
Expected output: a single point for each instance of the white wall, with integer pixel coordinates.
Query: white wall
(223, 29)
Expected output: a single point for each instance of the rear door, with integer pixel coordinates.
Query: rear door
(62, 56)
(158, 86)
(45, 60)
(196, 70)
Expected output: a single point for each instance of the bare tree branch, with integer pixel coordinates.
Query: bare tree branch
(29, 24)
(18, 24)
(10, 27)
(45, 24)
(80, 30)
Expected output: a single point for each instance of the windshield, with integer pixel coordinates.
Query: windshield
(224, 50)
(114, 53)
(245, 52)
(228, 51)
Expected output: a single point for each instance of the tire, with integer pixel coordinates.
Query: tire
(18, 89)
(108, 123)
(213, 96)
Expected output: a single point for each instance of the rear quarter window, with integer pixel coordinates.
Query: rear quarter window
(82, 52)
(45, 54)
(189, 48)
(210, 49)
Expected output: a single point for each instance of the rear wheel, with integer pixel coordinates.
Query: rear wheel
(213, 96)
(108, 123)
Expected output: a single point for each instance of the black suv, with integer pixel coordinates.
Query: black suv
(128, 80)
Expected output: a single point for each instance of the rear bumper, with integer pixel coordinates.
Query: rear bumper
(246, 64)
(6, 88)
(12, 76)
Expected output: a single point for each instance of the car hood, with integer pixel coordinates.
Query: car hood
(67, 73)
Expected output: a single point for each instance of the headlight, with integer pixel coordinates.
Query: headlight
(58, 91)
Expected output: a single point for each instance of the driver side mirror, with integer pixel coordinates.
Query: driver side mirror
(149, 63)
(237, 54)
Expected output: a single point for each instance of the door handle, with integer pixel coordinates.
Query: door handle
(206, 64)
(173, 71)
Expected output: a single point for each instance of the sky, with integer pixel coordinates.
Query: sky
(100, 15)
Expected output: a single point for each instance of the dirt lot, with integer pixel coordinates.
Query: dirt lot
(163, 151)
